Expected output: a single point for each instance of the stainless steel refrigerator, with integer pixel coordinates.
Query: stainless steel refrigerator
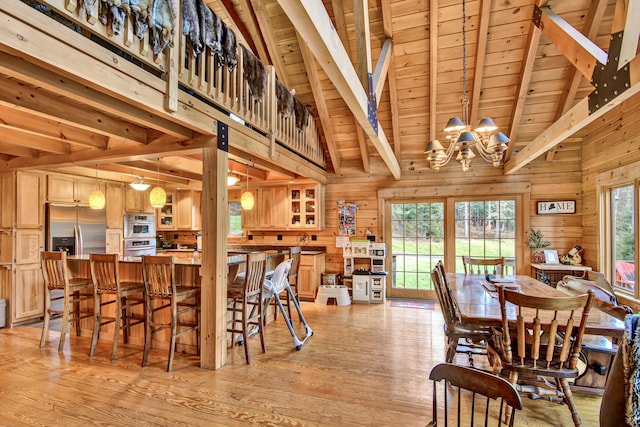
(79, 230)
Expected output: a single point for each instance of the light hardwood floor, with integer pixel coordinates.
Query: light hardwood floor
(366, 365)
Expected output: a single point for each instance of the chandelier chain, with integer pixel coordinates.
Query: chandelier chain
(465, 100)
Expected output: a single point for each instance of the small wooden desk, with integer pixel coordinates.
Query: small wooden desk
(480, 307)
(552, 273)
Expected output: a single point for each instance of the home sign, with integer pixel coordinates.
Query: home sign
(557, 207)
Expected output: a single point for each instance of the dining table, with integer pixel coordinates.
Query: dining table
(479, 305)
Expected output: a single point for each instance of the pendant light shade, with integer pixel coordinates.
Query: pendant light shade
(96, 198)
(246, 200)
(139, 184)
(157, 196)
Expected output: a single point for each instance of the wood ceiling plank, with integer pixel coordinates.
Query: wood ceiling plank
(266, 30)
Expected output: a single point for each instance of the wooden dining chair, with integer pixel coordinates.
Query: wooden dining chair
(483, 265)
(543, 342)
(158, 273)
(245, 301)
(471, 397)
(126, 296)
(60, 286)
(474, 336)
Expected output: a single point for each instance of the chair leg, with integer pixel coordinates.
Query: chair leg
(245, 337)
(174, 327)
(451, 350)
(47, 317)
(76, 311)
(96, 323)
(65, 321)
(117, 326)
(568, 399)
(148, 330)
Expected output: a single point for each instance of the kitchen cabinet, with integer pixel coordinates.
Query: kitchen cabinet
(165, 215)
(68, 189)
(196, 201)
(114, 240)
(137, 201)
(28, 293)
(305, 207)
(310, 275)
(7, 193)
(29, 200)
(114, 206)
(273, 210)
(29, 243)
(250, 217)
(184, 210)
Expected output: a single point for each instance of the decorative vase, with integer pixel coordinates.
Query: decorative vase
(537, 257)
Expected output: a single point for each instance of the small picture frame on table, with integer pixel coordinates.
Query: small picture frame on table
(551, 257)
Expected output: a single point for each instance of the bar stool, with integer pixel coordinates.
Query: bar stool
(158, 273)
(246, 300)
(75, 290)
(106, 281)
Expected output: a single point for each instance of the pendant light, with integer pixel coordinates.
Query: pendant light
(96, 198)
(139, 185)
(158, 197)
(246, 200)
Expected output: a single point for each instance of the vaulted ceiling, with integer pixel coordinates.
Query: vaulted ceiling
(516, 73)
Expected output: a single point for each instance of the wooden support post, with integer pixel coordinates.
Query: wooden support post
(213, 349)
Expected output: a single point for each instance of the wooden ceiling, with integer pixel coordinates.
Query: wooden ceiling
(414, 49)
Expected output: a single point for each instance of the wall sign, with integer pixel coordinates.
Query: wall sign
(557, 207)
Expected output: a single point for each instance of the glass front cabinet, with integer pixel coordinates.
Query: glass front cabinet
(304, 207)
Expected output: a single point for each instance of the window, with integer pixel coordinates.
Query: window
(485, 229)
(622, 236)
(235, 219)
(417, 233)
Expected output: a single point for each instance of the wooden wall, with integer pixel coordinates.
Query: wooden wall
(612, 142)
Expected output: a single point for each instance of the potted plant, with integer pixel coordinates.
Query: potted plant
(537, 242)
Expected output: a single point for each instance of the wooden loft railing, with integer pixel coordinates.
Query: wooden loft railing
(201, 76)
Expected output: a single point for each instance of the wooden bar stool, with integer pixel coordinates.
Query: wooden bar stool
(106, 281)
(74, 291)
(159, 282)
(245, 299)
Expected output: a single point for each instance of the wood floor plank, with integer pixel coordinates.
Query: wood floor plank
(366, 365)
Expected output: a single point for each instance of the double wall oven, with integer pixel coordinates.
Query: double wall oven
(139, 235)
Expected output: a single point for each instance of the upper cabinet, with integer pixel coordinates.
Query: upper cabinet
(181, 211)
(68, 189)
(165, 215)
(286, 208)
(29, 199)
(137, 201)
(114, 197)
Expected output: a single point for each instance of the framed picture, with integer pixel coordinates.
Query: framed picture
(347, 219)
(557, 207)
(551, 257)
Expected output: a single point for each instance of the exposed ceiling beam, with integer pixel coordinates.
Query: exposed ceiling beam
(249, 35)
(321, 105)
(523, 87)
(341, 23)
(63, 86)
(382, 68)
(11, 135)
(590, 29)
(575, 119)
(385, 6)
(631, 29)
(312, 22)
(582, 52)
(363, 61)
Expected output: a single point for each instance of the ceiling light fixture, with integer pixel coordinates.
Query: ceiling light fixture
(139, 185)
(96, 198)
(490, 146)
(246, 200)
(157, 196)
(232, 179)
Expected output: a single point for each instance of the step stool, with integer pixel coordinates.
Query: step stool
(341, 294)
